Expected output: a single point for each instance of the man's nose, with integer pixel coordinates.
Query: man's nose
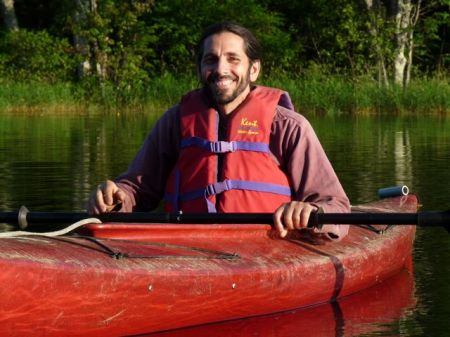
(222, 67)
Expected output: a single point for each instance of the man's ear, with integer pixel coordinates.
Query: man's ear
(255, 68)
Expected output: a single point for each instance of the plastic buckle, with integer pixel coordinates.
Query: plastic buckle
(218, 187)
(223, 146)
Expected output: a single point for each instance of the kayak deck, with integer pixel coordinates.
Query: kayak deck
(138, 278)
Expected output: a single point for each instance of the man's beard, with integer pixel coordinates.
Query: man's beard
(222, 97)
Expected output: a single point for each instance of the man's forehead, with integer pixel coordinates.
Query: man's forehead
(225, 42)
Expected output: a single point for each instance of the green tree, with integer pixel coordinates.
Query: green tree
(179, 24)
(332, 35)
(37, 56)
(432, 52)
(118, 42)
(382, 39)
(8, 14)
(123, 45)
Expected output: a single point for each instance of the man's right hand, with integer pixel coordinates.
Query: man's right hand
(105, 198)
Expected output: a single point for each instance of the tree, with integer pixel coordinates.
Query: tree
(375, 26)
(405, 15)
(398, 17)
(36, 56)
(112, 38)
(9, 15)
(83, 8)
(178, 25)
(125, 43)
(432, 37)
(385, 39)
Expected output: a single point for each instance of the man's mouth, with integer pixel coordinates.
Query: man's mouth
(221, 83)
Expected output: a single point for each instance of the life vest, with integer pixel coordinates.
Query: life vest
(251, 180)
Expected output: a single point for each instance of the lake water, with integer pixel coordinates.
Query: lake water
(52, 162)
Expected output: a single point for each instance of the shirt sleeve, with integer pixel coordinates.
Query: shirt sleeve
(144, 181)
(295, 145)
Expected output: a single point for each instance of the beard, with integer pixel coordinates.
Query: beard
(221, 96)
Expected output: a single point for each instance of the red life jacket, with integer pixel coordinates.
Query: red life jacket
(251, 180)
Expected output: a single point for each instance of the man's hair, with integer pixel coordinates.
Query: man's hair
(251, 44)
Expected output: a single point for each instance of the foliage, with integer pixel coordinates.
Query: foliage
(28, 55)
(320, 93)
(179, 24)
(117, 41)
(126, 46)
(433, 37)
(313, 93)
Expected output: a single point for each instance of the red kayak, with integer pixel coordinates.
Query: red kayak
(127, 279)
(370, 312)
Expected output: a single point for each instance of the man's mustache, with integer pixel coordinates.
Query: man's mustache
(216, 77)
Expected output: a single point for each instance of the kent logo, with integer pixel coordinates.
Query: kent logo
(246, 122)
(248, 127)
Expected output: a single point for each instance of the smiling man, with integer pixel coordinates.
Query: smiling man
(230, 146)
(226, 71)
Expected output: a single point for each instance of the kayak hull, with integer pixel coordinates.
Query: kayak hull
(137, 278)
(368, 312)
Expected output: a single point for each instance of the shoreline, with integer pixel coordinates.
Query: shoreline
(317, 95)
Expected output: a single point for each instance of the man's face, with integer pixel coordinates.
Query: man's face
(225, 70)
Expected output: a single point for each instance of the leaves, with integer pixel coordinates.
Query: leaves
(129, 42)
(36, 56)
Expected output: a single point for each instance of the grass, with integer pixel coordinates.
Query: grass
(33, 96)
(338, 95)
(311, 94)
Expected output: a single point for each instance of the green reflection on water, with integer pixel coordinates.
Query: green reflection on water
(53, 162)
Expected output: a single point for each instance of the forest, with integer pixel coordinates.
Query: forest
(122, 50)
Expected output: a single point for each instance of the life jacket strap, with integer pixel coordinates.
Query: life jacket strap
(226, 185)
(224, 146)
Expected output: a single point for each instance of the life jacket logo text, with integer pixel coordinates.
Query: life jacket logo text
(249, 127)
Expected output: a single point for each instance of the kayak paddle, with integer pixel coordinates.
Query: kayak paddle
(25, 219)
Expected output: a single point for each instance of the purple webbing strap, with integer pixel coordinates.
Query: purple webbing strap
(226, 185)
(224, 146)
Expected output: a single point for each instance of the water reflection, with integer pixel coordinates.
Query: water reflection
(403, 158)
(53, 162)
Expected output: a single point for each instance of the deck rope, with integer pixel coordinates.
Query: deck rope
(60, 232)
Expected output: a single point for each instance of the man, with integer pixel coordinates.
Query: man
(230, 147)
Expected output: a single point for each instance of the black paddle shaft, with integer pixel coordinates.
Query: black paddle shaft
(24, 218)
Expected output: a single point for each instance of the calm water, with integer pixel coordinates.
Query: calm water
(53, 162)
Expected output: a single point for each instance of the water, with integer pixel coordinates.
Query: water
(53, 162)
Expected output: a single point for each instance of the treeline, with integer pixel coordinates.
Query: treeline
(126, 44)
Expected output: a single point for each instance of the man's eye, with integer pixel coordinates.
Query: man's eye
(208, 60)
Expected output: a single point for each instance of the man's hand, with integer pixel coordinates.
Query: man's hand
(292, 215)
(105, 198)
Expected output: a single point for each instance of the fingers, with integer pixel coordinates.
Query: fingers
(111, 193)
(277, 220)
(96, 204)
(105, 198)
(292, 215)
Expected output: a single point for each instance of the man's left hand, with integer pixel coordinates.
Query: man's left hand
(292, 215)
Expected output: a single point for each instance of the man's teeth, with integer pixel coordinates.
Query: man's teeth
(224, 83)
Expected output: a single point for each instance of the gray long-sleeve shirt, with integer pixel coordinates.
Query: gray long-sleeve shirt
(293, 144)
